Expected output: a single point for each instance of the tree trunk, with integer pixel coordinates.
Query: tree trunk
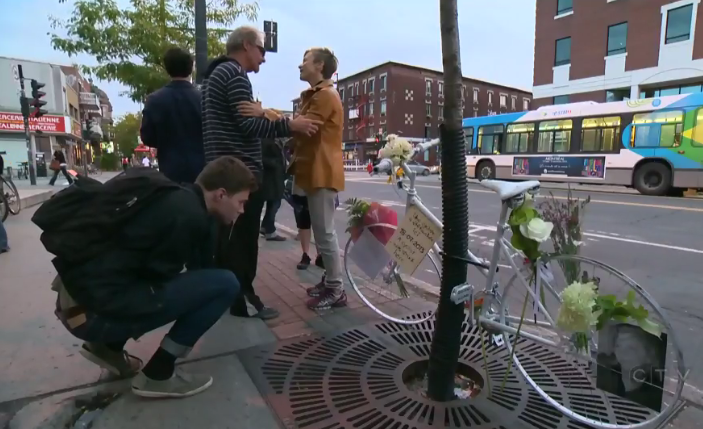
(444, 353)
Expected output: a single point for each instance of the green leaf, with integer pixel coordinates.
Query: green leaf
(128, 42)
(522, 215)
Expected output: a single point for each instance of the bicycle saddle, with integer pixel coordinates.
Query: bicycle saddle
(507, 190)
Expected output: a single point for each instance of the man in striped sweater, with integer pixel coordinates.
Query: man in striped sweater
(226, 132)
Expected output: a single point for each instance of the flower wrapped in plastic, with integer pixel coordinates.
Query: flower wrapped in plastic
(397, 149)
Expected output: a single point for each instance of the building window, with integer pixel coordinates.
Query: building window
(513, 102)
(440, 88)
(617, 39)
(341, 94)
(440, 113)
(428, 87)
(295, 107)
(617, 95)
(503, 100)
(383, 108)
(564, 6)
(364, 84)
(525, 104)
(555, 136)
(370, 109)
(562, 53)
(383, 78)
(372, 81)
(356, 89)
(519, 138)
(490, 98)
(428, 110)
(678, 24)
(475, 112)
(475, 95)
(600, 134)
(351, 90)
(561, 99)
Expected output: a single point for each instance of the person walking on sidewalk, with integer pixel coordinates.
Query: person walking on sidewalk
(234, 125)
(138, 285)
(318, 168)
(272, 188)
(172, 123)
(58, 164)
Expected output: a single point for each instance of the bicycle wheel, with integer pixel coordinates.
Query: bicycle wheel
(622, 377)
(374, 290)
(11, 195)
(4, 209)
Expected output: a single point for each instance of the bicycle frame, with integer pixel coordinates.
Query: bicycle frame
(501, 247)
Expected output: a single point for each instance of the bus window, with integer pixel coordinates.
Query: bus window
(469, 140)
(697, 139)
(555, 136)
(489, 138)
(600, 134)
(658, 129)
(519, 138)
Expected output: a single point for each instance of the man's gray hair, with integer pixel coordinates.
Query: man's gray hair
(240, 36)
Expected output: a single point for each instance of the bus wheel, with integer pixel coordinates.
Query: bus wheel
(653, 178)
(485, 170)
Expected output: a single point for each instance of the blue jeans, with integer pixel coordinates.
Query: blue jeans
(268, 223)
(195, 300)
(4, 245)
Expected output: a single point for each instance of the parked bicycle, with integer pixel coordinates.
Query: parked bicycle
(489, 308)
(9, 190)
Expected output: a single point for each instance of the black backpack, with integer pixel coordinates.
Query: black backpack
(83, 219)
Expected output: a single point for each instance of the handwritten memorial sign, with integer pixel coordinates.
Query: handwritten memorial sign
(412, 240)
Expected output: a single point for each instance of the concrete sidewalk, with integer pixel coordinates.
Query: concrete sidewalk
(34, 399)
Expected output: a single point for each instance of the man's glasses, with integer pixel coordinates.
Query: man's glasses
(262, 50)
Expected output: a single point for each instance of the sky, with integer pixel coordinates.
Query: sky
(496, 37)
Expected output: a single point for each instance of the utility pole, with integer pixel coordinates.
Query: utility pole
(200, 40)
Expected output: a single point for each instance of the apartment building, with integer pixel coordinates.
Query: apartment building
(396, 98)
(614, 50)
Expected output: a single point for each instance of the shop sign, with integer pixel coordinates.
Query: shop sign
(47, 123)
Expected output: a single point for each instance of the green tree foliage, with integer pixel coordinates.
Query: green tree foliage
(128, 43)
(127, 133)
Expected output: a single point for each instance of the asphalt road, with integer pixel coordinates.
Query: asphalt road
(657, 241)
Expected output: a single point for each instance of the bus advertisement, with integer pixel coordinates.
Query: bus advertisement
(654, 145)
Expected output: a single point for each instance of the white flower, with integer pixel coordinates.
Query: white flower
(537, 230)
(396, 149)
(576, 311)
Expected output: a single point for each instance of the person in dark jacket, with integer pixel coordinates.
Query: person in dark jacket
(61, 159)
(234, 125)
(172, 123)
(139, 284)
(272, 186)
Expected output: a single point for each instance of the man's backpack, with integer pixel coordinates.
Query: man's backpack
(84, 219)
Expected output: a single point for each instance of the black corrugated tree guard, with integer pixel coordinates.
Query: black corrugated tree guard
(444, 353)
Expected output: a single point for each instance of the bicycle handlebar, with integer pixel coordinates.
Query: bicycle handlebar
(386, 164)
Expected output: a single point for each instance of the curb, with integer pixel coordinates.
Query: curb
(73, 409)
(36, 199)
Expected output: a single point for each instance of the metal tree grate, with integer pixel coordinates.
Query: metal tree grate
(353, 379)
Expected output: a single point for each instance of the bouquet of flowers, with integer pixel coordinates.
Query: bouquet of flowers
(396, 149)
(363, 214)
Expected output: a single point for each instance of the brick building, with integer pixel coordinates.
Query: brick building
(613, 50)
(395, 98)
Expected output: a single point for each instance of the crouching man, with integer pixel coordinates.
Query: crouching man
(139, 283)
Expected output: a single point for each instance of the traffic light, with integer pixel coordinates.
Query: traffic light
(37, 101)
(88, 130)
(271, 36)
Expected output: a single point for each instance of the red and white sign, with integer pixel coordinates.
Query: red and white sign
(47, 123)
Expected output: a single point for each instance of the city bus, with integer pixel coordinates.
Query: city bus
(654, 145)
